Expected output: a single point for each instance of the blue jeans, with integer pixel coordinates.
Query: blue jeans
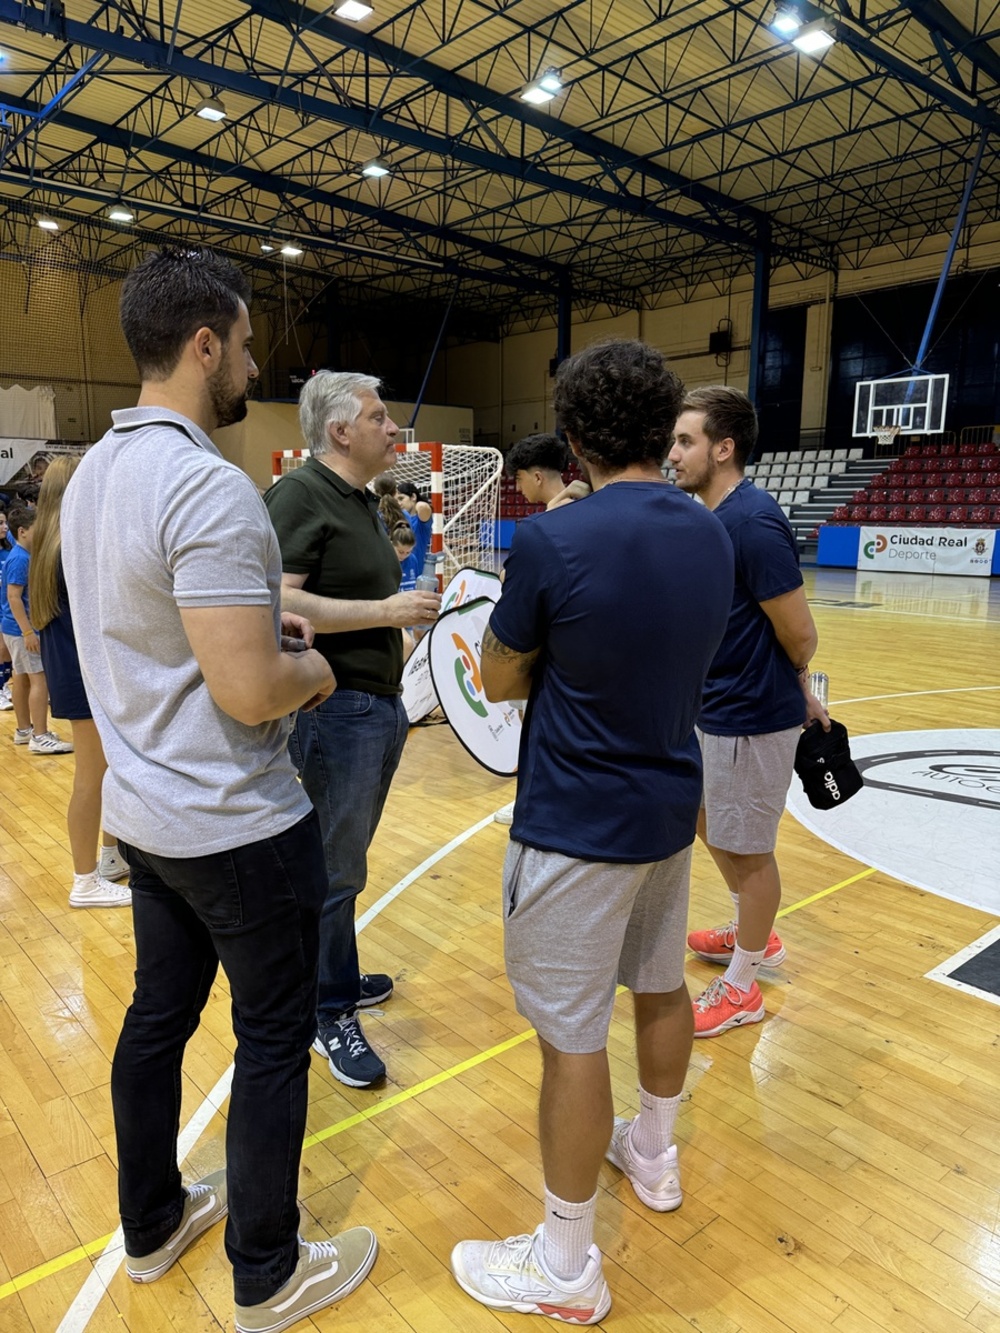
(346, 751)
(256, 910)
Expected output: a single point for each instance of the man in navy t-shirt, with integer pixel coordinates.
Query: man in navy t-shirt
(612, 609)
(756, 701)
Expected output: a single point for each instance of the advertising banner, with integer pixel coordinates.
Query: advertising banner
(469, 583)
(490, 732)
(419, 696)
(927, 550)
(15, 456)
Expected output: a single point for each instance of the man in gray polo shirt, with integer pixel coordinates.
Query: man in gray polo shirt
(341, 570)
(181, 644)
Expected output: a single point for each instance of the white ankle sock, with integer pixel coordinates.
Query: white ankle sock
(742, 969)
(736, 906)
(653, 1128)
(85, 881)
(568, 1235)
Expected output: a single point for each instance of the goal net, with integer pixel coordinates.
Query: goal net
(461, 482)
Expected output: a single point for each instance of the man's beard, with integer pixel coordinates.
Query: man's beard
(228, 405)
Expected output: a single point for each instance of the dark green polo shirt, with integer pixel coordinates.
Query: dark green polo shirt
(331, 532)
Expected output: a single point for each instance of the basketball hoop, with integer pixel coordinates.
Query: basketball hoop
(885, 436)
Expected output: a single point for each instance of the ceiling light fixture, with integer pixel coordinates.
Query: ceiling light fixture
(814, 38)
(786, 22)
(120, 212)
(353, 10)
(291, 251)
(542, 90)
(48, 224)
(210, 108)
(266, 248)
(376, 166)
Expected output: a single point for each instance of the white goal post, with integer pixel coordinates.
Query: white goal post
(461, 482)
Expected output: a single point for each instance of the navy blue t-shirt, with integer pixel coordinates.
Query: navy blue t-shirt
(752, 687)
(627, 593)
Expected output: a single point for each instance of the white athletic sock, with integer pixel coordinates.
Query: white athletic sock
(653, 1128)
(736, 906)
(85, 881)
(568, 1235)
(742, 969)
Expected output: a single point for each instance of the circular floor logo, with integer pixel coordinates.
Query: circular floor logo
(927, 814)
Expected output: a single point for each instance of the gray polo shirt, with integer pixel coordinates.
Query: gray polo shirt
(155, 520)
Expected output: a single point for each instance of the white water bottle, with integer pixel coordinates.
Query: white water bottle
(428, 580)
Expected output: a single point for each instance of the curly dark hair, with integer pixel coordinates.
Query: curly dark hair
(619, 402)
(169, 296)
(542, 451)
(729, 415)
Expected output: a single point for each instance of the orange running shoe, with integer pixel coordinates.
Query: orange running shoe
(716, 946)
(723, 1006)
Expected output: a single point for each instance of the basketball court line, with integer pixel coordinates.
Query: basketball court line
(85, 1304)
(943, 972)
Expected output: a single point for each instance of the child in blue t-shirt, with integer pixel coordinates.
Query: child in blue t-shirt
(6, 703)
(28, 690)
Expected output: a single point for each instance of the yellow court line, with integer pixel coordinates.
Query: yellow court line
(825, 893)
(53, 1266)
(360, 1116)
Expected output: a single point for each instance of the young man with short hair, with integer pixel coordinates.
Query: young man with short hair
(757, 700)
(537, 463)
(192, 672)
(611, 612)
(340, 570)
(29, 692)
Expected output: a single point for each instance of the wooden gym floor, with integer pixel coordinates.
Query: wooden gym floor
(841, 1162)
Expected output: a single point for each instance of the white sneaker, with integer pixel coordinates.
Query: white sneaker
(95, 891)
(505, 815)
(6, 702)
(48, 743)
(23, 735)
(112, 864)
(656, 1180)
(511, 1275)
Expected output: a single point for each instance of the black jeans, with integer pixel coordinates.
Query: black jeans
(255, 909)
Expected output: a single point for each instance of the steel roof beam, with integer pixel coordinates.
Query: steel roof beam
(144, 51)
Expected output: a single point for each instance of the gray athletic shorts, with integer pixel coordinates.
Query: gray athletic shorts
(574, 930)
(22, 662)
(746, 782)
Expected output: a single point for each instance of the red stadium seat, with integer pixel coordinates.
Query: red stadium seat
(912, 451)
(897, 514)
(934, 479)
(975, 478)
(897, 465)
(956, 495)
(878, 497)
(980, 514)
(987, 449)
(992, 479)
(859, 497)
(956, 514)
(915, 496)
(860, 511)
(955, 479)
(897, 497)
(949, 450)
(937, 514)
(916, 513)
(967, 450)
(932, 450)
(840, 514)
(994, 496)
(976, 496)
(878, 513)
(936, 496)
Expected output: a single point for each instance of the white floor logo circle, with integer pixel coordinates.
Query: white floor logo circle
(928, 812)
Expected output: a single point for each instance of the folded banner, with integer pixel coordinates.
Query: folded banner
(419, 696)
(15, 455)
(490, 732)
(927, 550)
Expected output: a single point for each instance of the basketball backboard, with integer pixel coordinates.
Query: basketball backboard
(913, 403)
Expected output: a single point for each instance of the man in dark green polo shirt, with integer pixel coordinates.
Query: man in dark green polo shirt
(337, 560)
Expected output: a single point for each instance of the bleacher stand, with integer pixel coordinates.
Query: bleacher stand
(954, 484)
